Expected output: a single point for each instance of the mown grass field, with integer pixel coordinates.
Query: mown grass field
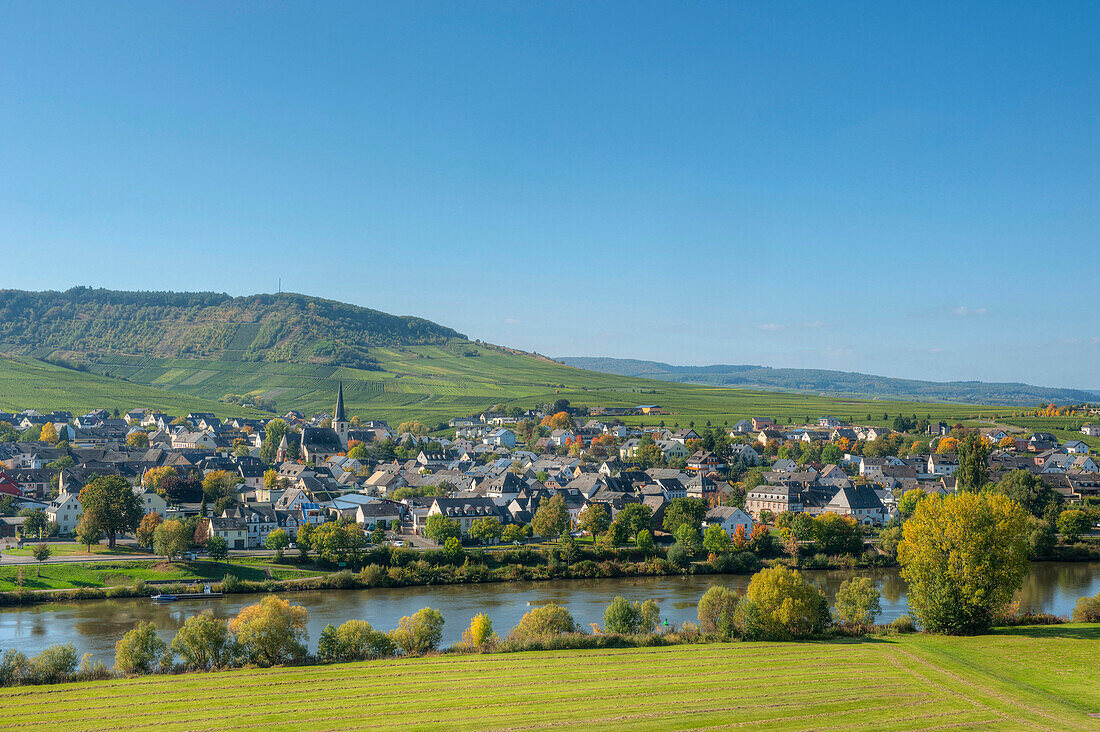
(1032, 678)
(71, 575)
(430, 383)
(67, 549)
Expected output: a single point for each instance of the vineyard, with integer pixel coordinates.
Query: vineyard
(1015, 679)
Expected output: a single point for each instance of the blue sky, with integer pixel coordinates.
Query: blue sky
(903, 189)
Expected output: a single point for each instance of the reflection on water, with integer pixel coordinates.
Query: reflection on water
(94, 626)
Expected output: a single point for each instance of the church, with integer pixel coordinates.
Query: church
(320, 443)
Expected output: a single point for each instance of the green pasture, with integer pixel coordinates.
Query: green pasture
(1031, 678)
(71, 575)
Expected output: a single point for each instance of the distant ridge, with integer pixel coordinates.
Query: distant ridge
(837, 383)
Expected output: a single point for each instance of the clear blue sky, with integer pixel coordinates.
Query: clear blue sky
(904, 189)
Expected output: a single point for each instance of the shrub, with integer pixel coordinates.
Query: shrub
(629, 618)
(480, 633)
(857, 603)
(1087, 609)
(678, 557)
(54, 664)
(904, 624)
(203, 642)
(355, 640)
(541, 622)
(140, 651)
(15, 668)
(270, 632)
(716, 611)
(781, 605)
(420, 633)
(372, 575)
(92, 670)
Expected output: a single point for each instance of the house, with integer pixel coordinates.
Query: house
(189, 440)
(767, 436)
(151, 502)
(859, 501)
(463, 510)
(742, 427)
(829, 422)
(942, 465)
(673, 450)
(784, 465)
(65, 510)
(775, 498)
(683, 435)
(1092, 430)
(761, 423)
(1076, 447)
(744, 453)
(729, 518)
(232, 530)
(703, 461)
(501, 437)
(369, 514)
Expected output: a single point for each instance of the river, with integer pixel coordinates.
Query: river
(94, 625)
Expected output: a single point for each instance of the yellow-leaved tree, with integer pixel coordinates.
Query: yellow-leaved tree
(963, 557)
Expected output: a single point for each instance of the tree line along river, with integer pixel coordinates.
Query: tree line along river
(94, 626)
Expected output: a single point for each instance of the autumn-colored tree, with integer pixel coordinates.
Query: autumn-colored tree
(271, 632)
(740, 539)
(947, 445)
(963, 557)
(1008, 442)
(146, 530)
(137, 439)
(154, 478)
(480, 633)
(48, 434)
(413, 428)
(558, 421)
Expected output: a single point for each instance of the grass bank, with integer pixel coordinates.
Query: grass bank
(1015, 678)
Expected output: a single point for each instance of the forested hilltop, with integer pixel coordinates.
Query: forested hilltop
(83, 324)
(837, 383)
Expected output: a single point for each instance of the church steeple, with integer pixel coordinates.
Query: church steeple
(339, 419)
(338, 415)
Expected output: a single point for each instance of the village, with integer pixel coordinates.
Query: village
(241, 484)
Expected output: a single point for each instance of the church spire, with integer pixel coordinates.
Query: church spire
(338, 416)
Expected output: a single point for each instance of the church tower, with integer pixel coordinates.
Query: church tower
(339, 419)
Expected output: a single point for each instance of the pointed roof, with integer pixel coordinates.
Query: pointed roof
(338, 414)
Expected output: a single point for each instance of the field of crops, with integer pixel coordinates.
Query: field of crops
(1032, 678)
(433, 383)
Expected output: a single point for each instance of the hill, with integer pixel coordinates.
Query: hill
(85, 325)
(287, 351)
(839, 383)
(1041, 677)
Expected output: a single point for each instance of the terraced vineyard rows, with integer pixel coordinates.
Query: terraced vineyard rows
(914, 682)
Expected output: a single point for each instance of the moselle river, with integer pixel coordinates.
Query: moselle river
(94, 625)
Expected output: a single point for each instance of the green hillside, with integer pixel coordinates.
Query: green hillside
(1020, 678)
(188, 351)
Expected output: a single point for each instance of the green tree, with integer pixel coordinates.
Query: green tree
(141, 651)
(836, 534)
(963, 557)
(543, 622)
(355, 640)
(513, 533)
(420, 633)
(271, 632)
(305, 540)
(831, 454)
(1037, 498)
(486, 529)
(1073, 523)
(635, 517)
(218, 548)
(888, 540)
(41, 553)
(973, 471)
(440, 528)
(780, 604)
(907, 504)
(644, 541)
(680, 511)
(594, 519)
(110, 504)
(34, 521)
(87, 533)
(203, 642)
(552, 518)
(273, 435)
(172, 538)
(857, 603)
(277, 541)
(716, 611)
(688, 538)
(220, 484)
(716, 540)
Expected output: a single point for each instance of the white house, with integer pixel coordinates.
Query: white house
(729, 518)
(65, 510)
(151, 502)
(1092, 430)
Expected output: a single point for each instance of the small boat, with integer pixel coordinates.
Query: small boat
(163, 598)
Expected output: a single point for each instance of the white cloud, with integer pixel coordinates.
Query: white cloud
(511, 321)
(964, 311)
(772, 327)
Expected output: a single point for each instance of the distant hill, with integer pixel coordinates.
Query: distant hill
(87, 324)
(837, 383)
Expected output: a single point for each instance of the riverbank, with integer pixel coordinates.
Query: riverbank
(913, 681)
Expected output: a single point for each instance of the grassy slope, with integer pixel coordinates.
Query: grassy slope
(30, 384)
(1019, 679)
(437, 382)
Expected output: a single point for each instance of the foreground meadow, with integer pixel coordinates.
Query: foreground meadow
(1018, 678)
